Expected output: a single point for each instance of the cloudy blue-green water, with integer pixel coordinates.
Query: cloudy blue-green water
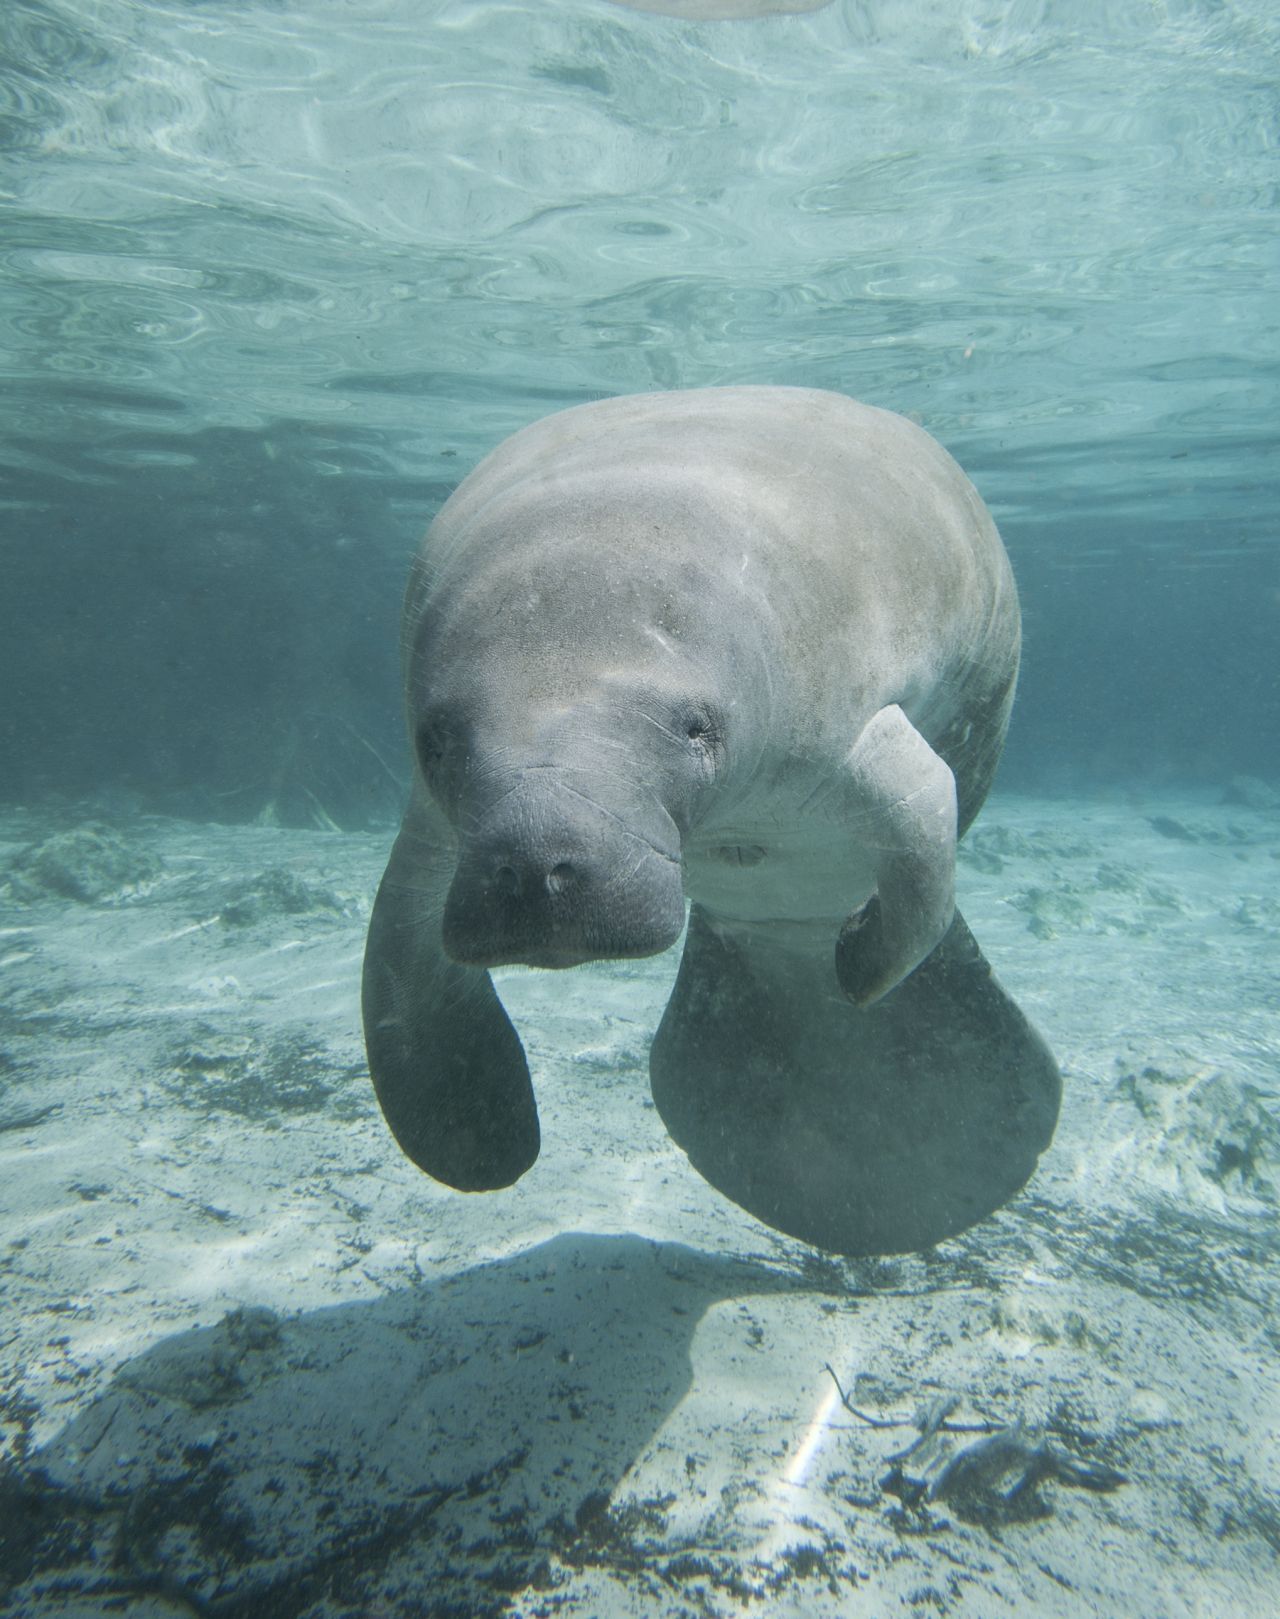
(275, 276)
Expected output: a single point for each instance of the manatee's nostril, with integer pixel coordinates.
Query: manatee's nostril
(559, 877)
(506, 879)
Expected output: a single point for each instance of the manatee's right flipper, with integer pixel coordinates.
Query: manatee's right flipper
(447, 1065)
(861, 1130)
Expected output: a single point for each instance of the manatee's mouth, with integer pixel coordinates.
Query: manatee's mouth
(619, 912)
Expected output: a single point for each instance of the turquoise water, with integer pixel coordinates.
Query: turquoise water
(1047, 229)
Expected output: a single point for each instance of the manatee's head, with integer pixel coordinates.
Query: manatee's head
(574, 707)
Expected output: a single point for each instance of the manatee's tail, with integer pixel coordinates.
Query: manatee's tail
(861, 1131)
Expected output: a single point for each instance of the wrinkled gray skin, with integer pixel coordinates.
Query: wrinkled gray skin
(753, 648)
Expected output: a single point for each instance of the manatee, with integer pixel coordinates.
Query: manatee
(745, 653)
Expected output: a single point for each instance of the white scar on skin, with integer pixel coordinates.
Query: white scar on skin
(660, 638)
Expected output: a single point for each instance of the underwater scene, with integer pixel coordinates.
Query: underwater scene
(639, 809)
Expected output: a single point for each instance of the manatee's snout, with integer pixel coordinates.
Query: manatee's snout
(552, 878)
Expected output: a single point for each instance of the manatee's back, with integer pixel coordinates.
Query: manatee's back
(848, 525)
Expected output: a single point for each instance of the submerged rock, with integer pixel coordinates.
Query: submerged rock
(210, 1366)
(1169, 826)
(1208, 1138)
(1116, 899)
(277, 891)
(90, 863)
(1252, 793)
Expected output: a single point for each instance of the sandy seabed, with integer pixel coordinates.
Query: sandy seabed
(254, 1365)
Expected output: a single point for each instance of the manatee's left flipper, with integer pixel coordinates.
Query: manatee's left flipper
(906, 800)
(447, 1065)
(869, 1131)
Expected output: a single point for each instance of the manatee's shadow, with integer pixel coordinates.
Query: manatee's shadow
(444, 1438)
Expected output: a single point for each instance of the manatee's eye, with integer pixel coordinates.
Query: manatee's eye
(702, 726)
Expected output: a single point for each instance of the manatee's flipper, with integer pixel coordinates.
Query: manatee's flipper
(862, 1131)
(906, 796)
(447, 1065)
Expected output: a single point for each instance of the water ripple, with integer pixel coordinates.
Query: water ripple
(442, 219)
